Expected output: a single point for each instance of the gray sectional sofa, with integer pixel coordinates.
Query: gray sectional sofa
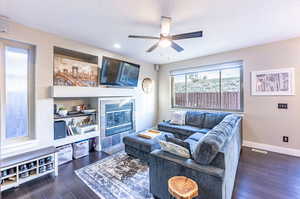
(215, 143)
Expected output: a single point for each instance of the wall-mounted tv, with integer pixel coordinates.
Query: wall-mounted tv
(119, 73)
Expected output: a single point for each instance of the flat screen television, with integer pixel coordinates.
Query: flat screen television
(119, 73)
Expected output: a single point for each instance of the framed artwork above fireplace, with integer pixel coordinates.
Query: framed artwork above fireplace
(74, 68)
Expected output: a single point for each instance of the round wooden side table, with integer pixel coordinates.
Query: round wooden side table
(182, 187)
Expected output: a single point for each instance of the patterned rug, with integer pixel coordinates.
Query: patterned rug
(117, 176)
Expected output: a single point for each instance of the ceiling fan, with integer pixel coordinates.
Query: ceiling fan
(165, 39)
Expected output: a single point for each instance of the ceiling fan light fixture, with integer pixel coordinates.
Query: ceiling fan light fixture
(166, 39)
(165, 25)
(164, 42)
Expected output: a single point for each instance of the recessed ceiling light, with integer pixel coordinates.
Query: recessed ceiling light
(117, 45)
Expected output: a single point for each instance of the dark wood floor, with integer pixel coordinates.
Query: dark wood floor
(271, 176)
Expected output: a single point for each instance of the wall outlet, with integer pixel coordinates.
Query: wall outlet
(282, 106)
(285, 139)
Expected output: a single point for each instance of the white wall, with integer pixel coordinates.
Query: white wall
(263, 122)
(146, 105)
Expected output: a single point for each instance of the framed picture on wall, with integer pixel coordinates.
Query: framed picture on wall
(69, 71)
(273, 82)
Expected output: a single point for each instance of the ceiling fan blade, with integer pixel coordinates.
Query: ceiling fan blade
(152, 47)
(188, 35)
(176, 47)
(165, 25)
(142, 37)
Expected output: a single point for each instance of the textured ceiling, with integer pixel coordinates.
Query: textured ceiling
(227, 25)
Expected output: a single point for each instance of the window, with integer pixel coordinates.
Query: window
(215, 87)
(17, 91)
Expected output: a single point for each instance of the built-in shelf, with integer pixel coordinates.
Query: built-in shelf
(18, 161)
(8, 185)
(45, 164)
(73, 115)
(26, 170)
(81, 92)
(31, 177)
(8, 176)
(76, 138)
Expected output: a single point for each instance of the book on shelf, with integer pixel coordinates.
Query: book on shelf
(70, 131)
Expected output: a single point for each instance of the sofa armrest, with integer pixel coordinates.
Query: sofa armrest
(188, 163)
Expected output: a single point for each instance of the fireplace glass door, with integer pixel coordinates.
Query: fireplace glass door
(118, 118)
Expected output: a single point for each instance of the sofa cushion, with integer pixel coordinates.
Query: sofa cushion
(196, 136)
(204, 131)
(193, 144)
(213, 119)
(209, 146)
(183, 130)
(195, 118)
(227, 124)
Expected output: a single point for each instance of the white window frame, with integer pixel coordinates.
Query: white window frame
(214, 67)
(7, 142)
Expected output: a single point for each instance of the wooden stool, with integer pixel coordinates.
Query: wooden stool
(182, 187)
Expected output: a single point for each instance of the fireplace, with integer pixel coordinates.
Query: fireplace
(117, 120)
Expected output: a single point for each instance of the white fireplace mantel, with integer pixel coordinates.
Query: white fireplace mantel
(72, 91)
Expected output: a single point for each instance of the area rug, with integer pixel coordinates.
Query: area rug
(117, 176)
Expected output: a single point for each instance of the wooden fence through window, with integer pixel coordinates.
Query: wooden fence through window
(211, 100)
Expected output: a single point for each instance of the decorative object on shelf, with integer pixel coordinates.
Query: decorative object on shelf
(77, 108)
(273, 82)
(63, 111)
(88, 111)
(147, 85)
(69, 71)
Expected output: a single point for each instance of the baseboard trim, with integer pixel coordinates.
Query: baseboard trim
(272, 148)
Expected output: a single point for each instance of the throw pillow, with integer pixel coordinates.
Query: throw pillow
(178, 117)
(174, 149)
(179, 142)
